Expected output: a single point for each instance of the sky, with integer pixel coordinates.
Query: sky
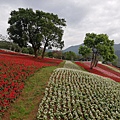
(82, 16)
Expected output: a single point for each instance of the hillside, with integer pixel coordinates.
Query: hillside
(76, 95)
(73, 49)
(76, 48)
(117, 52)
(117, 47)
(62, 92)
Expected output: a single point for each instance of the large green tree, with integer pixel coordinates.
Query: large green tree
(85, 52)
(101, 46)
(37, 28)
(52, 31)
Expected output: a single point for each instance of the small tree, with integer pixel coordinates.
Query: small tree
(101, 46)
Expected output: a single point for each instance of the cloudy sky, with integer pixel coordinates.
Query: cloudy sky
(82, 16)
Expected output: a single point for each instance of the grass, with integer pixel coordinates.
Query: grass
(26, 106)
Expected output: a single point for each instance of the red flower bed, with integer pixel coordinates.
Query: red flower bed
(14, 70)
(108, 69)
(114, 66)
(100, 70)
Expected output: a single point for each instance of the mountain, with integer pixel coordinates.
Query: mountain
(76, 48)
(117, 52)
(73, 48)
(117, 47)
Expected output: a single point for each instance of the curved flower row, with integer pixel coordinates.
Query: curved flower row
(103, 69)
(113, 68)
(69, 64)
(100, 70)
(115, 73)
(74, 94)
(14, 70)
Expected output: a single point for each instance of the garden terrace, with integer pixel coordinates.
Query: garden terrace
(102, 70)
(15, 68)
(72, 94)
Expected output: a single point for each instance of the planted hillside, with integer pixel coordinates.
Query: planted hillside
(15, 68)
(72, 94)
(102, 70)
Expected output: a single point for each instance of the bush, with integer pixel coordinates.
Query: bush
(25, 50)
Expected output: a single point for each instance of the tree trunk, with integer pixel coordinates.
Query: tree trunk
(96, 62)
(95, 59)
(35, 53)
(91, 66)
(92, 62)
(44, 50)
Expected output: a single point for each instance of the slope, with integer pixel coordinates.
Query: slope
(73, 94)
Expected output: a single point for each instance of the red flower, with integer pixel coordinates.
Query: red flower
(18, 67)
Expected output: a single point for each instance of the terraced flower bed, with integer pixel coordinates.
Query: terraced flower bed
(70, 65)
(14, 70)
(101, 70)
(72, 94)
(113, 68)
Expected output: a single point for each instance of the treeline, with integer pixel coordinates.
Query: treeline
(69, 55)
(14, 47)
(29, 50)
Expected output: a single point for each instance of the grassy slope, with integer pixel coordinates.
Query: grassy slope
(26, 106)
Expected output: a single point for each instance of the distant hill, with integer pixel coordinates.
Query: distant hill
(76, 48)
(117, 53)
(73, 49)
(117, 47)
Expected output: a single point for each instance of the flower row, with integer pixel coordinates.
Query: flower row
(101, 70)
(74, 94)
(69, 64)
(14, 70)
(113, 68)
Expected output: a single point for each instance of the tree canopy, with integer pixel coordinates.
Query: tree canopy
(100, 45)
(85, 51)
(37, 28)
(69, 55)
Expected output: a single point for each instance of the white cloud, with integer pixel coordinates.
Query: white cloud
(82, 16)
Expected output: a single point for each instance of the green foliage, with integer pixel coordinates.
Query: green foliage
(25, 50)
(100, 45)
(52, 31)
(116, 62)
(5, 45)
(50, 54)
(14, 47)
(85, 51)
(55, 54)
(37, 28)
(24, 28)
(69, 55)
(30, 49)
(9, 46)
